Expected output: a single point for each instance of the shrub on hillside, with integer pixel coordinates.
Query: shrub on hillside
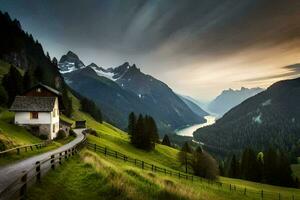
(2, 146)
(204, 164)
(43, 137)
(91, 132)
(61, 134)
(72, 133)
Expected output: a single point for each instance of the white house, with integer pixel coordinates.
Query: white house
(38, 109)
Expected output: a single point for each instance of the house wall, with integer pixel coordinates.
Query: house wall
(24, 118)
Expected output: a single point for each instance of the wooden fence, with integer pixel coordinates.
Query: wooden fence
(216, 185)
(25, 148)
(18, 188)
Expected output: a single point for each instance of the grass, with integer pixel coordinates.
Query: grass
(12, 136)
(90, 176)
(94, 176)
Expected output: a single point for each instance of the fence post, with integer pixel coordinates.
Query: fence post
(25, 149)
(66, 155)
(152, 167)
(165, 171)
(262, 194)
(117, 155)
(279, 196)
(23, 187)
(142, 164)
(245, 191)
(60, 155)
(105, 151)
(18, 151)
(38, 171)
(95, 147)
(52, 162)
(31, 148)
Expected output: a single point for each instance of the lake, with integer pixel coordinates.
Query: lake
(188, 131)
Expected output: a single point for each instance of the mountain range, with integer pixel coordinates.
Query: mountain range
(231, 98)
(268, 119)
(124, 89)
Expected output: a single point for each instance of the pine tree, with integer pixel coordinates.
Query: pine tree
(131, 123)
(3, 96)
(166, 141)
(12, 82)
(234, 168)
(28, 80)
(139, 132)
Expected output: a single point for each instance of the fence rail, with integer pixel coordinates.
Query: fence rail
(26, 148)
(18, 188)
(259, 194)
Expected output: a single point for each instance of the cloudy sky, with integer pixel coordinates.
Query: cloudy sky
(198, 47)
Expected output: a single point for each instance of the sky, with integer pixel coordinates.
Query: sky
(197, 47)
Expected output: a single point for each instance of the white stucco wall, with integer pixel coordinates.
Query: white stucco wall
(24, 118)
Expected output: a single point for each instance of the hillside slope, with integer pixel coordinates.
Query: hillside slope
(270, 118)
(92, 174)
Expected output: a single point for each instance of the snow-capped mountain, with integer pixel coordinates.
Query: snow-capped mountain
(124, 89)
(70, 62)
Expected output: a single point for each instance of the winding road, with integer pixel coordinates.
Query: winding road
(9, 173)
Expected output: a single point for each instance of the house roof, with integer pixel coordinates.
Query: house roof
(46, 87)
(33, 103)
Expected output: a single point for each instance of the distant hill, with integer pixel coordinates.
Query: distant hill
(123, 89)
(230, 98)
(270, 118)
(193, 106)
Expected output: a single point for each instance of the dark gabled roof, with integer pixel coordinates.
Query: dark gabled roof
(33, 103)
(46, 87)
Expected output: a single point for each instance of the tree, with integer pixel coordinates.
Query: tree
(91, 108)
(249, 165)
(204, 165)
(3, 96)
(143, 131)
(184, 155)
(12, 82)
(131, 123)
(234, 170)
(166, 141)
(54, 62)
(28, 80)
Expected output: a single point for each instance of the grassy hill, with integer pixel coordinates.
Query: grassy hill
(12, 136)
(93, 176)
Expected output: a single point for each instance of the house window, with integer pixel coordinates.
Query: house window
(53, 128)
(34, 115)
(38, 90)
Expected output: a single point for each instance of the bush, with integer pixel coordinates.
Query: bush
(61, 134)
(91, 132)
(2, 146)
(72, 133)
(43, 137)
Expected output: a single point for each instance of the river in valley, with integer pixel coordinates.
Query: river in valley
(188, 131)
